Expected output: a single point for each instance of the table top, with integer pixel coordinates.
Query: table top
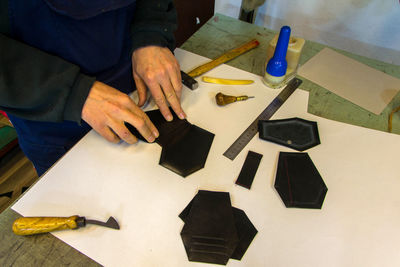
(209, 41)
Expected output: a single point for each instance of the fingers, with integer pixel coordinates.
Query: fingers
(109, 135)
(121, 132)
(176, 81)
(172, 97)
(166, 88)
(142, 123)
(137, 118)
(141, 89)
(160, 71)
(106, 110)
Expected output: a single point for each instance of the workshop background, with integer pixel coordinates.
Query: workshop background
(369, 28)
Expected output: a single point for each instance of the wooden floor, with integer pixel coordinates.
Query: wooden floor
(16, 175)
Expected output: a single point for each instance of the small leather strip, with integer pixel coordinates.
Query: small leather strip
(249, 169)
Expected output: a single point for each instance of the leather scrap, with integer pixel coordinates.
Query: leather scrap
(249, 169)
(214, 231)
(189, 153)
(298, 181)
(295, 133)
(185, 146)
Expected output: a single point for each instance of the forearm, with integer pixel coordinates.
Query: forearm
(38, 86)
(154, 23)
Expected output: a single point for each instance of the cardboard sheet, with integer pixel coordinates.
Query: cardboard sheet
(364, 86)
(358, 224)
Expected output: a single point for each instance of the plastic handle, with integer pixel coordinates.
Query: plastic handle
(208, 79)
(277, 65)
(38, 225)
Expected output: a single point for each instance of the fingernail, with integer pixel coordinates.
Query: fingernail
(155, 133)
(182, 115)
(169, 117)
(151, 139)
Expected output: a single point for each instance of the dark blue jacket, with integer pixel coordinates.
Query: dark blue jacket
(51, 52)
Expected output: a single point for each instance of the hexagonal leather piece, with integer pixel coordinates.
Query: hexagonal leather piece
(188, 154)
(295, 133)
(298, 181)
(185, 146)
(215, 231)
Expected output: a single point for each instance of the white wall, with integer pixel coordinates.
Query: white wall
(366, 27)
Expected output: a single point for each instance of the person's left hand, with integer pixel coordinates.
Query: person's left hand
(156, 67)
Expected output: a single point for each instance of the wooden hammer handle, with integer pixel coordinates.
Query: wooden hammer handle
(224, 58)
(38, 225)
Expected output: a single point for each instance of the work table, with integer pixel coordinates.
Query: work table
(217, 36)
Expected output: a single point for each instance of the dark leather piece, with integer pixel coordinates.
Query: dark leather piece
(249, 169)
(214, 231)
(298, 181)
(295, 133)
(246, 232)
(185, 146)
(170, 131)
(189, 153)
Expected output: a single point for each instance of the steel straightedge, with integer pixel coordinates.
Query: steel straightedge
(252, 130)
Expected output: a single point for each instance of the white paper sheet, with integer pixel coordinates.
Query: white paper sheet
(365, 86)
(357, 226)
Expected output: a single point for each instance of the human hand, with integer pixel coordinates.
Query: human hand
(106, 109)
(156, 67)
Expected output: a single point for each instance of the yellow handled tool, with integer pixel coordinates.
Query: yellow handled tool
(38, 225)
(224, 58)
(208, 79)
(223, 100)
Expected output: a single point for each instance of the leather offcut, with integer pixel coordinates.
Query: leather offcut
(185, 146)
(214, 231)
(295, 133)
(249, 169)
(298, 181)
(189, 154)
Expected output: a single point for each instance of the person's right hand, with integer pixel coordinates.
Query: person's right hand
(106, 109)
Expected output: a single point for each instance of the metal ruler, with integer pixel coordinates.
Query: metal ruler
(252, 130)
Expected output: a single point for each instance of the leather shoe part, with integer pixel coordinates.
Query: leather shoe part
(295, 133)
(298, 181)
(169, 131)
(246, 233)
(249, 169)
(215, 231)
(189, 153)
(185, 146)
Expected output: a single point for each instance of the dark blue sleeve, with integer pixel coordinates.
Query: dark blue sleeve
(38, 86)
(154, 23)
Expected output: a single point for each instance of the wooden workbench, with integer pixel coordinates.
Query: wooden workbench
(217, 36)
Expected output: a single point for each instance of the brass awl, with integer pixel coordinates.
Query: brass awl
(223, 100)
(38, 225)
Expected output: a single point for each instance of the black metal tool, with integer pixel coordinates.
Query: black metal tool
(189, 81)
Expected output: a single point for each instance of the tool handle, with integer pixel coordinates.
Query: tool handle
(223, 100)
(224, 58)
(189, 81)
(208, 79)
(38, 225)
